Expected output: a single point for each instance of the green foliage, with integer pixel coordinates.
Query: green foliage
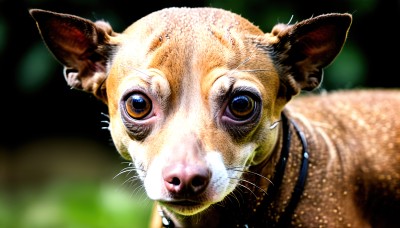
(347, 70)
(35, 68)
(3, 34)
(75, 205)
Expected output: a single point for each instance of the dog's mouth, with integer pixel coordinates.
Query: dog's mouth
(184, 203)
(185, 207)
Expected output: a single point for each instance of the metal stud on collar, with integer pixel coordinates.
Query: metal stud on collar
(166, 222)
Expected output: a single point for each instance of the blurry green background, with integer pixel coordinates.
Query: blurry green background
(57, 164)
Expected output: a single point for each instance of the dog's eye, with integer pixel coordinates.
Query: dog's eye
(241, 106)
(138, 106)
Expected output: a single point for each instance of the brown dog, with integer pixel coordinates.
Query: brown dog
(198, 100)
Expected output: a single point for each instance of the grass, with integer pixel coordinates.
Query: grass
(74, 205)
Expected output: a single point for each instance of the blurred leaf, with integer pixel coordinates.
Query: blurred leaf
(77, 204)
(347, 71)
(363, 6)
(3, 34)
(6, 210)
(35, 68)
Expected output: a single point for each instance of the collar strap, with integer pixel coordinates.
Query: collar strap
(301, 181)
(166, 221)
(285, 218)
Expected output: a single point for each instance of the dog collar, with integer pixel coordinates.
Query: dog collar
(277, 180)
(285, 219)
(166, 221)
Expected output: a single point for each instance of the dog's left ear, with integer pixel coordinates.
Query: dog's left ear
(82, 46)
(302, 50)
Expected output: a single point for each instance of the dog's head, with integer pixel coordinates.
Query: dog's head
(194, 95)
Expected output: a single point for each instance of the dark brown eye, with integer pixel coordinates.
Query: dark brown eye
(242, 106)
(138, 106)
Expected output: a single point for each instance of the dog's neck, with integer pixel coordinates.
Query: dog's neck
(263, 190)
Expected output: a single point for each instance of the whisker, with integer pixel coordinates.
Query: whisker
(106, 115)
(131, 180)
(147, 201)
(133, 183)
(237, 169)
(226, 201)
(253, 70)
(249, 182)
(130, 168)
(244, 186)
(234, 196)
(127, 170)
(129, 163)
(142, 72)
(231, 198)
(138, 189)
(107, 122)
(290, 20)
(240, 64)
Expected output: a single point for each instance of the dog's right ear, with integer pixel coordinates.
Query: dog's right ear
(82, 46)
(304, 49)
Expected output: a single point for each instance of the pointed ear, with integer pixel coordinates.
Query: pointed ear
(84, 48)
(301, 51)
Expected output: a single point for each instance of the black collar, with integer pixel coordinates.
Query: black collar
(285, 219)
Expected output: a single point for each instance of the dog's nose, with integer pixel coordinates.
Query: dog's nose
(186, 180)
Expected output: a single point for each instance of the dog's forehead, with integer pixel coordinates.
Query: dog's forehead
(183, 32)
(184, 43)
(191, 19)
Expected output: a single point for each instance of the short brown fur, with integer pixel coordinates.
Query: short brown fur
(195, 100)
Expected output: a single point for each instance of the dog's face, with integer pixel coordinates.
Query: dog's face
(194, 95)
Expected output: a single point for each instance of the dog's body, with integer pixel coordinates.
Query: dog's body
(197, 100)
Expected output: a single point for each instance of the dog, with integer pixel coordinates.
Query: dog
(223, 123)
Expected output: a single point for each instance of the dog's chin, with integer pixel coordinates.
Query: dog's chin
(185, 207)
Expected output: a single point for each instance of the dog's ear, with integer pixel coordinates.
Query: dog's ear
(302, 50)
(82, 46)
